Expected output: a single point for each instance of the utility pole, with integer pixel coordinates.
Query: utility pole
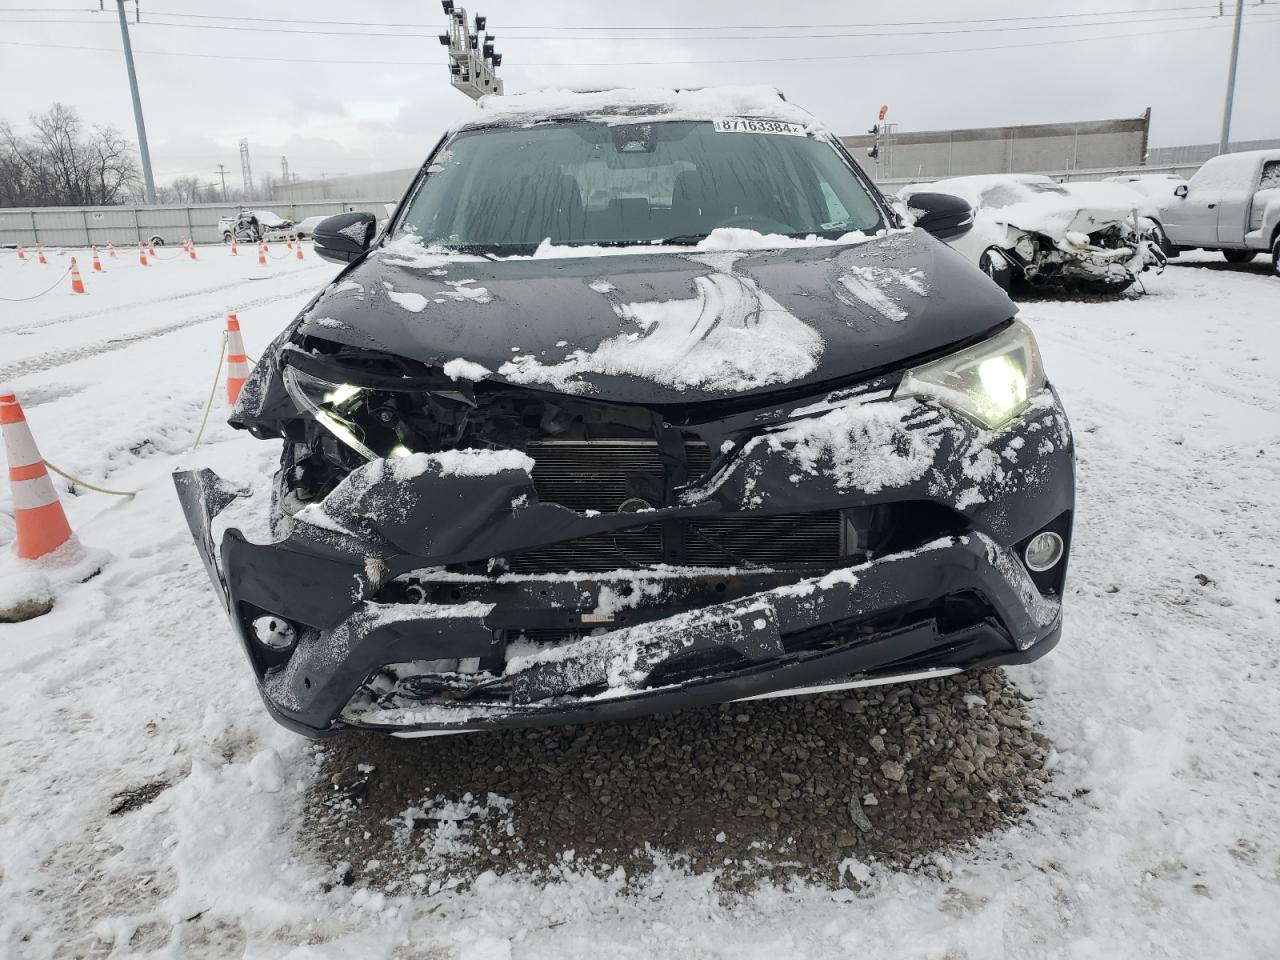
(246, 171)
(222, 172)
(148, 181)
(1223, 141)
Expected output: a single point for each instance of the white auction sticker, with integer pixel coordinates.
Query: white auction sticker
(754, 125)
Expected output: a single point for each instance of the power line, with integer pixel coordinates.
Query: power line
(579, 27)
(403, 35)
(638, 63)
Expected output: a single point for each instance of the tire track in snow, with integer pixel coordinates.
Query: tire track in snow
(58, 358)
(134, 305)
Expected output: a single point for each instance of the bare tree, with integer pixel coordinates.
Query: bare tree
(63, 164)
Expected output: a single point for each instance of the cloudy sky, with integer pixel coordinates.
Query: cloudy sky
(339, 97)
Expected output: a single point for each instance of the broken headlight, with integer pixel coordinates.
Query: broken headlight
(357, 416)
(990, 382)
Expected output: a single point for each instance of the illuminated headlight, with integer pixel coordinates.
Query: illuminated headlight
(343, 410)
(991, 382)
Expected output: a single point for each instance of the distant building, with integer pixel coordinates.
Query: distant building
(1029, 148)
(386, 186)
(1200, 152)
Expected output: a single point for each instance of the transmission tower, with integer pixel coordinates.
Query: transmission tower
(284, 169)
(246, 171)
(472, 61)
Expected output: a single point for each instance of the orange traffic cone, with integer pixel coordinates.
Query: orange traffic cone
(111, 251)
(288, 243)
(262, 254)
(97, 264)
(42, 526)
(234, 251)
(298, 249)
(22, 254)
(40, 253)
(237, 362)
(77, 285)
(142, 255)
(191, 250)
(151, 249)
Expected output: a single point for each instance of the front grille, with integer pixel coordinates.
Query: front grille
(781, 540)
(604, 474)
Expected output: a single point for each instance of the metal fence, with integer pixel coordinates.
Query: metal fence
(123, 226)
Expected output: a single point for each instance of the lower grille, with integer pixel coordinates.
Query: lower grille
(782, 540)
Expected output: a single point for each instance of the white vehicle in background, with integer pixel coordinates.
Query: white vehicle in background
(305, 228)
(1157, 187)
(253, 225)
(1232, 204)
(1084, 237)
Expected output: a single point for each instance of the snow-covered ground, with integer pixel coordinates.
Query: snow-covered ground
(1159, 836)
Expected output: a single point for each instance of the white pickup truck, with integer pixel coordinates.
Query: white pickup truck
(1232, 204)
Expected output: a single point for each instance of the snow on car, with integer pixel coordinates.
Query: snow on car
(251, 225)
(1232, 204)
(306, 227)
(1028, 229)
(646, 399)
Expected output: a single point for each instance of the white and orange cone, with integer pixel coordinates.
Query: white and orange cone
(37, 512)
(151, 249)
(77, 285)
(97, 263)
(262, 254)
(191, 250)
(237, 361)
(234, 251)
(142, 255)
(22, 254)
(111, 251)
(298, 249)
(40, 253)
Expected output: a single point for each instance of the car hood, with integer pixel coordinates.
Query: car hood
(1082, 208)
(677, 326)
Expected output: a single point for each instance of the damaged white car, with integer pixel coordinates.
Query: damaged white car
(1029, 230)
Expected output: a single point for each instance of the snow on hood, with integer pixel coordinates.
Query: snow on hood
(269, 219)
(633, 105)
(729, 334)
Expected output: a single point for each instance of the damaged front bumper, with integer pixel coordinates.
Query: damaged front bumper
(394, 633)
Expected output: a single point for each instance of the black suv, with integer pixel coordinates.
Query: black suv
(639, 400)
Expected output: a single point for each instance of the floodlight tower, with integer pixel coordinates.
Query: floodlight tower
(246, 171)
(472, 61)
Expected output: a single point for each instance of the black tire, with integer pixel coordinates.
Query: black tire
(1162, 241)
(157, 241)
(226, 236)
(996, 266)
(1239, 256)
(1275, 255)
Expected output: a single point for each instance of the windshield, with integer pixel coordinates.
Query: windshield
(1007, 194)
(508, 189)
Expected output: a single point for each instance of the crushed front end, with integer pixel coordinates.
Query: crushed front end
(1106, 258)
(441, 553)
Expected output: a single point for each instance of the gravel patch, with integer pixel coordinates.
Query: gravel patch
(774, 788)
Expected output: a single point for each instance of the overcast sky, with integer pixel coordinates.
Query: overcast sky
(349, 118)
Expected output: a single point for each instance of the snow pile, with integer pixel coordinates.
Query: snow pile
(721, 239)
(861, 446)
(413, 302)
(408, 250)
(728, 335)
(641, 104)
(868, 286)
(460, 463)
(462, 369)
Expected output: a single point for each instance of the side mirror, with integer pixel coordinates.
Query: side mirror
(941, 214)
(1180, 191)
(344, 237)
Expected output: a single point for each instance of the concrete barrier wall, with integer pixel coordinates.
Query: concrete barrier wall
(127, 226)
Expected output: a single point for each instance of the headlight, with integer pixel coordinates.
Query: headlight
(346, 412)
(990, 382)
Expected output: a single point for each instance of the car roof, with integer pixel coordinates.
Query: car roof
(633, 104)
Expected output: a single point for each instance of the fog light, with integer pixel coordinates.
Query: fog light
(275, 633)
(1043, 551)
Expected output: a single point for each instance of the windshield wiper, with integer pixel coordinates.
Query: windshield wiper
(685, 239)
